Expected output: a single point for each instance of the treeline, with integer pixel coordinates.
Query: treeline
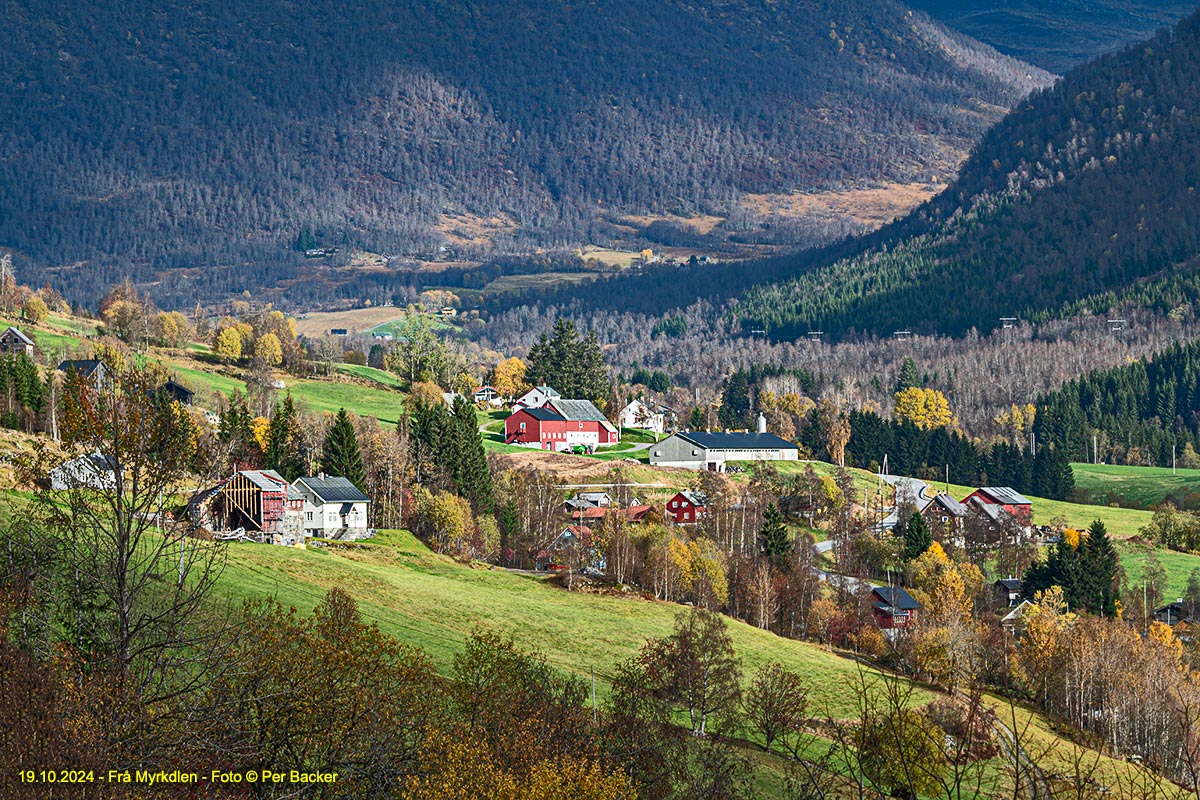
(1085, 189)
(930, 454)
(1146, 412)
(152, 138)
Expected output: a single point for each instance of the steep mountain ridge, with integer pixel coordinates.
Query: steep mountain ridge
(1082, 196)
(190, 145)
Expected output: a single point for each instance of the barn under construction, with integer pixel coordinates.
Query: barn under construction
(258, 502)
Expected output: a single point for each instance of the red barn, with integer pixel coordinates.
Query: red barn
(687, 507)
(1013, 502)
(536, 427)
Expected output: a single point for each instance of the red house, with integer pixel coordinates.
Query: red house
(1013, 502)
(893, 608)
(687, 507)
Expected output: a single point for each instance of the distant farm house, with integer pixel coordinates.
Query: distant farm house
(13, 341)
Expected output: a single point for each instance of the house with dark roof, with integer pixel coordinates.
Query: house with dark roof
(90, 370)
(1172, 613)
(173, 390)
(893, 608)
(711, 451)
(334, 508)
(13, 341)
(1007, 592)
(687, 506)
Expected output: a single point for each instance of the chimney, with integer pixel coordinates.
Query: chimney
(762, 423)
(321, 476)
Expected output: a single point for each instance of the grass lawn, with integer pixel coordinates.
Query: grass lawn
(54, 342)
(72, 324)
(386, 405)
(1178, 566)
(431, 601)
(1134, 487)
(379, 376)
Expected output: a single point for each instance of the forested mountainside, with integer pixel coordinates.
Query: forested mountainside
(1137, 413)
(1057, 34)
(1085, 193)
(142, 137)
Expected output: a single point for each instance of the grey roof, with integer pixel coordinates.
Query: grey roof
(696, 498)
(577, 410)
(990, 510)
(267, 479)
(737, 441)
(546, 390)
(895, 597)
(20, 336)
(334, 489)
(951, 505)
(1011, 584)
(544, 414)
(1006, 495)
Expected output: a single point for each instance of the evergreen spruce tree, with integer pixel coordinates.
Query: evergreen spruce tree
(735, 401)
(917, 537)
(341, 455)
(428, 430)
(463, 450)
(593, 383)
(1100, 571)
(909, 375)
(773, 537)
(696, 419)
(283, 441)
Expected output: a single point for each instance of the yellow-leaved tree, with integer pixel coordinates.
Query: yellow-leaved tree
(508, 378)
(227, 345)
(925, 408)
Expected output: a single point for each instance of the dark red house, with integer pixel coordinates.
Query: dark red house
(1013, 502)
(687, 507)
(893, 607)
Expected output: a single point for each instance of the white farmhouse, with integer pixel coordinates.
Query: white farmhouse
(535, 398)
(334, 508)
(639, 415)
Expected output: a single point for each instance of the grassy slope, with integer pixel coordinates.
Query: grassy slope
(429, 600)
(1139, 487)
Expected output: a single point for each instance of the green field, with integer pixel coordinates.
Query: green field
(372, 374)
(386, 405)
(1133, 487)
(431, 601)
(1178, 566)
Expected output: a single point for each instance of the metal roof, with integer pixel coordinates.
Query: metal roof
(20, 336)
(1005, 495)
(737, 441)
(266, 479)
(950, 504)
(695, 498)
(577, 410)
(334, 489)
